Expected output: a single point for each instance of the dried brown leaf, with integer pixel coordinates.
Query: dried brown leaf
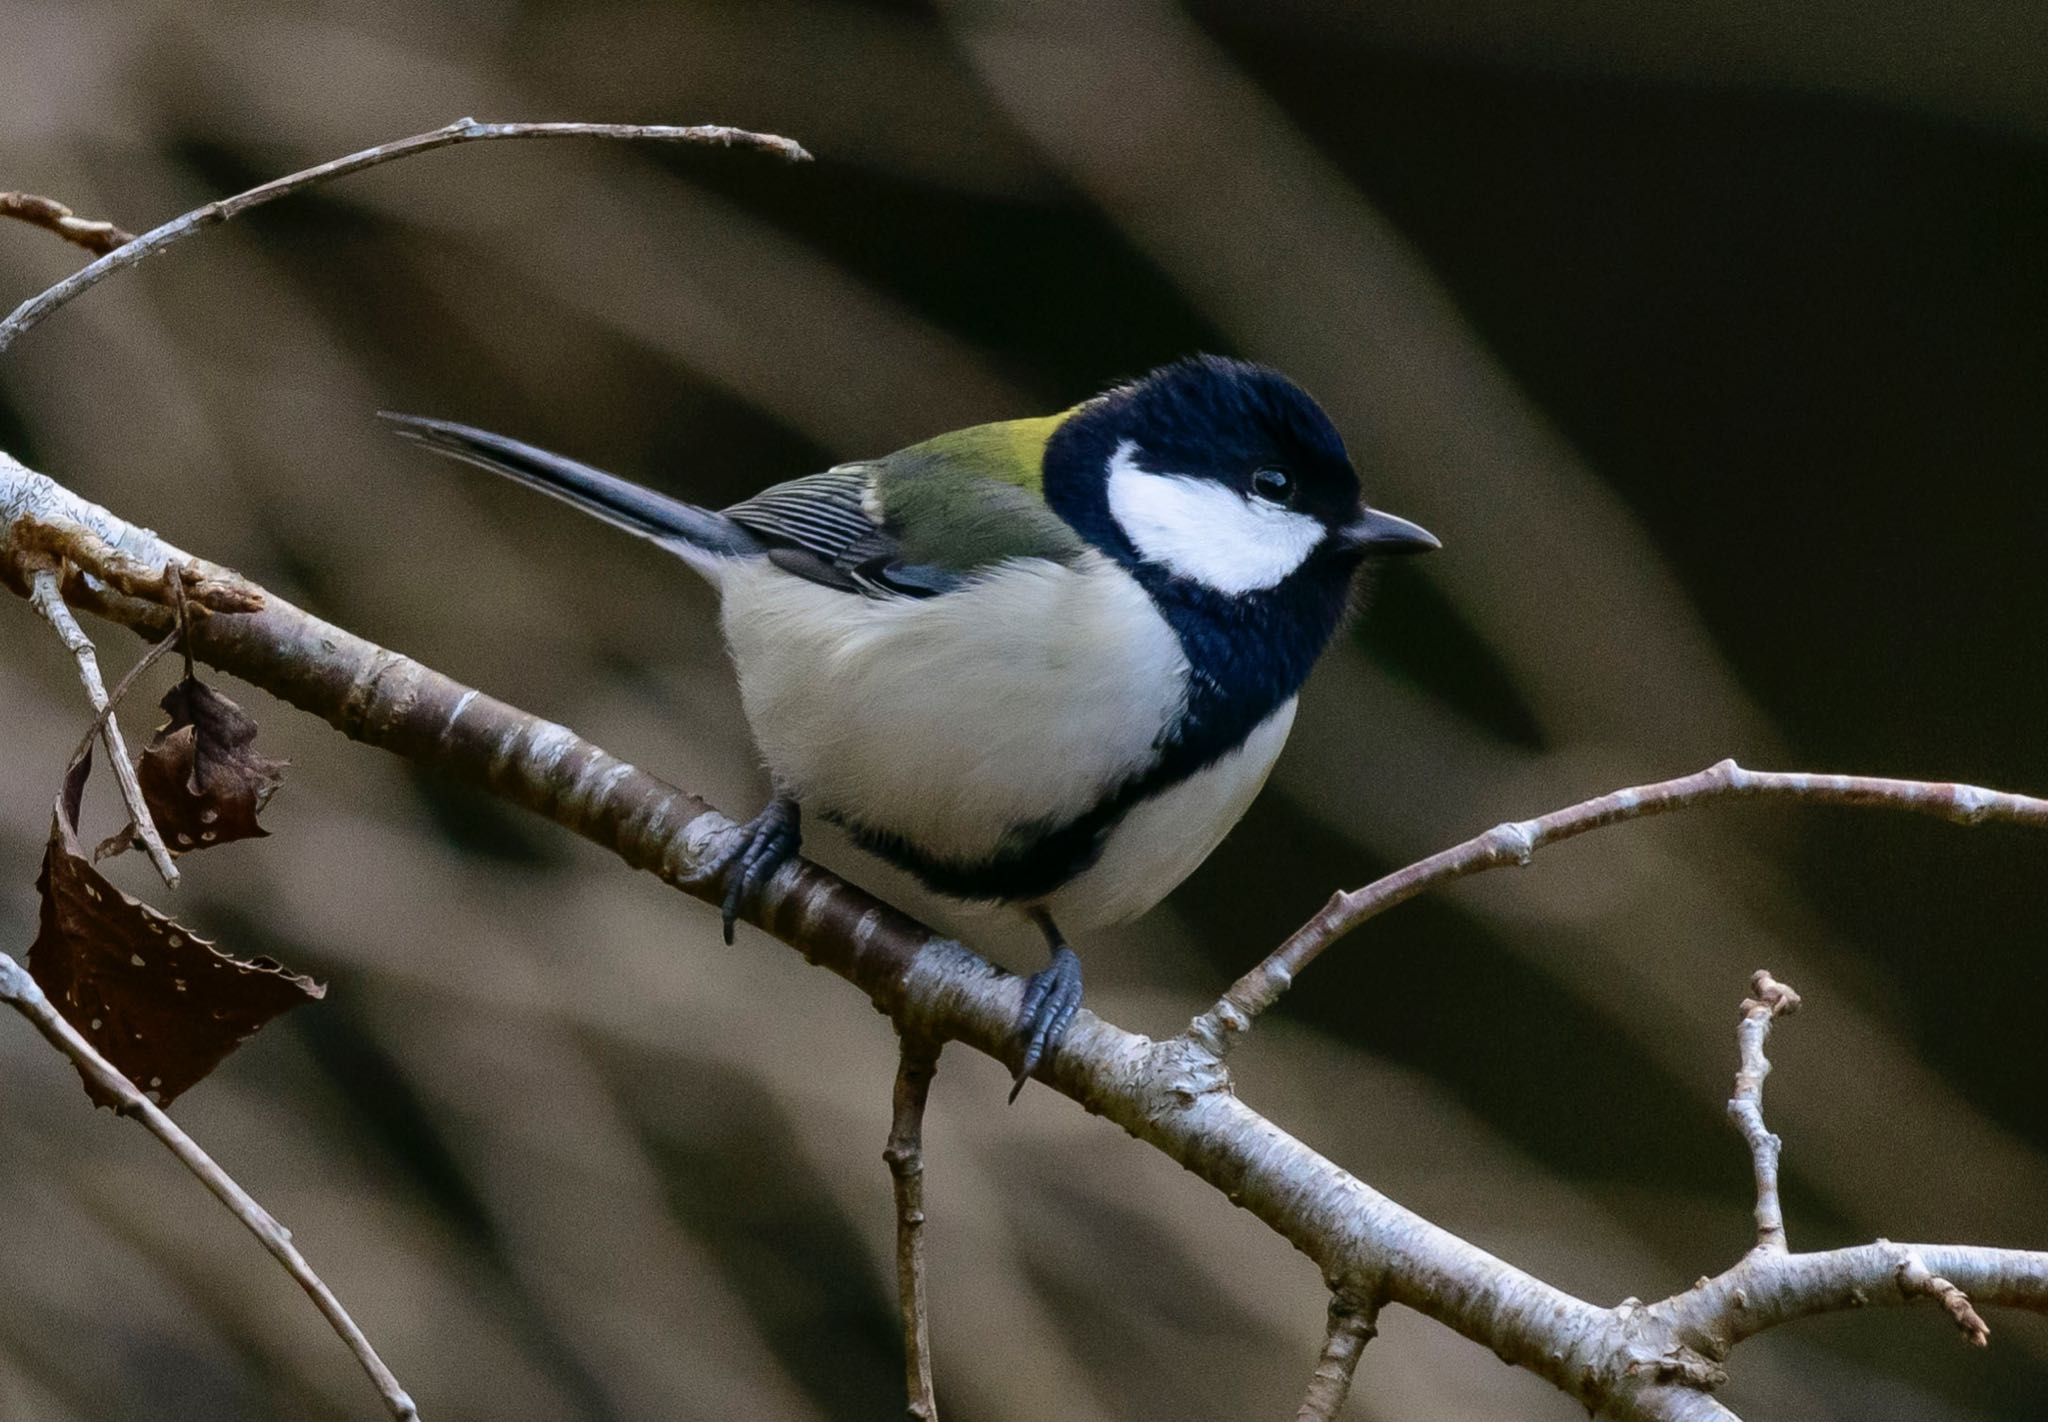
(202, 778)
(161, 1003)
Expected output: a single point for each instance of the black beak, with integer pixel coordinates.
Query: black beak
(1385, 535)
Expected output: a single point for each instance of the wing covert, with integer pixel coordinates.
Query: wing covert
(919, 522)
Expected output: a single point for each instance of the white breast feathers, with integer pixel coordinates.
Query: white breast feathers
(949, 720)
(1166, 838)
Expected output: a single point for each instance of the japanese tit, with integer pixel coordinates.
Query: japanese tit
(1046, 663)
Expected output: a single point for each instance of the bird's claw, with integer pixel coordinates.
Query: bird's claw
(759, 847)
(1052, 996)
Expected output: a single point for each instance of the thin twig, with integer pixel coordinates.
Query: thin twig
(53, 216)
(464, 130)
(1771, 1000)
(48, 597)
(905, 1154)
(119, 694)
(1352, 1324)
(1512, 843)
(20, 992)
(148, 659)
(126, 839)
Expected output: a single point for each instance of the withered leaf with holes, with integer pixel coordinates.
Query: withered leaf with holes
(201, 776)
(162, 1004)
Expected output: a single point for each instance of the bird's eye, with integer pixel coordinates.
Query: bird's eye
(1273, 485)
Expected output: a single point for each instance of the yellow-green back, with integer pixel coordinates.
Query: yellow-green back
(975, 496)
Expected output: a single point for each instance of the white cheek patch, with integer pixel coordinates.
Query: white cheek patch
(1200, 530)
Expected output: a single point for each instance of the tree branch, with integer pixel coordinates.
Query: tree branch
(463, 130)
(48, 598)
(1176, 1094)
(19, 991)
(1173, 1094)
(1352, 1325)
(1772, 1000)
(905, 1155)
(1513, 842)
(53, 216)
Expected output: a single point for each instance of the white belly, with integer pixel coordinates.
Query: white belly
(951, 720)
(1166, 838)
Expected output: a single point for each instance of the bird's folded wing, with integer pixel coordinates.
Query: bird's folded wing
(917, 523)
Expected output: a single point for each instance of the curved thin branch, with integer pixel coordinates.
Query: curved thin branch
(19, 991)
(1766, 1290)
(463, 130)
(1513, 842)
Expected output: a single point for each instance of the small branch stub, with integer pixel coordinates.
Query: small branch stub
(1353, 1323)
(1917, 1280)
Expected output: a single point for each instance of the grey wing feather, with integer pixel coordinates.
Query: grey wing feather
(818, 528)
(825, 514)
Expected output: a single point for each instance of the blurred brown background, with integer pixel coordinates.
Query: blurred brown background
(1712, 342)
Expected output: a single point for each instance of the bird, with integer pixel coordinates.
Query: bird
(1043, 664)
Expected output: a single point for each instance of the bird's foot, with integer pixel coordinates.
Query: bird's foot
(1052, 996)
(760, 847)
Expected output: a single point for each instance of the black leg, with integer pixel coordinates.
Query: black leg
(764, 844)
(1052, 996)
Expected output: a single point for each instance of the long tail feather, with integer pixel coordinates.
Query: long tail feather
(684, 529)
